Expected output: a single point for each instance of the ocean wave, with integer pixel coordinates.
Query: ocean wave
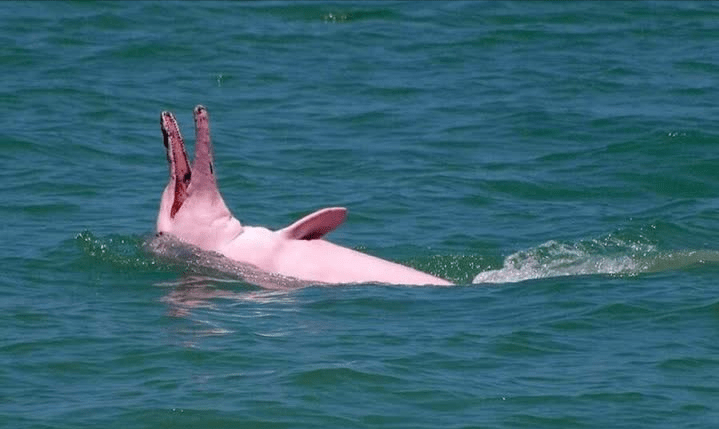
(609, 255)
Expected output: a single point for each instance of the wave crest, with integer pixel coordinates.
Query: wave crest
(611, 255)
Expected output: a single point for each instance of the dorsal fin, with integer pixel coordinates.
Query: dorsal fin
(316, 225)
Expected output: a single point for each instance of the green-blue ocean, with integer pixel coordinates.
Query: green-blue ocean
(559, 161)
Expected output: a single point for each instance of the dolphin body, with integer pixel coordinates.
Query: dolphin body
(192, 210)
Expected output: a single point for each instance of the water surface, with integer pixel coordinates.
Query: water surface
(557, 160)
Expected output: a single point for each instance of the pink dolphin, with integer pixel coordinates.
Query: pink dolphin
(193, 210)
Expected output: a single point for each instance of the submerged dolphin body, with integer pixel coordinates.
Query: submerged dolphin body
(193, 210)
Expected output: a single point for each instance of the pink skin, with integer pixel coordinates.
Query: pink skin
(193, 210)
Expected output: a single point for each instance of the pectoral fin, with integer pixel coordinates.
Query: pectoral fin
(316, 225)
(180, 172)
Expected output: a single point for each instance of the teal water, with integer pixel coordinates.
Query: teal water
(558, 160)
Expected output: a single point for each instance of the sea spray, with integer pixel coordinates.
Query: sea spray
(609, 255)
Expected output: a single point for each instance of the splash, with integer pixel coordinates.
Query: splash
(115, 252)
(609, 255)
(197, 261)
(619, 254)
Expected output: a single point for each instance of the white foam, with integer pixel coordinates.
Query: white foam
(554, 259)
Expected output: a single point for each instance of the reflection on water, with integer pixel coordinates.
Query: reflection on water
(202, 292)
(206, 306)
(209, 281)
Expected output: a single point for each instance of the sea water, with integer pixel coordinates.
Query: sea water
(557, 160)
